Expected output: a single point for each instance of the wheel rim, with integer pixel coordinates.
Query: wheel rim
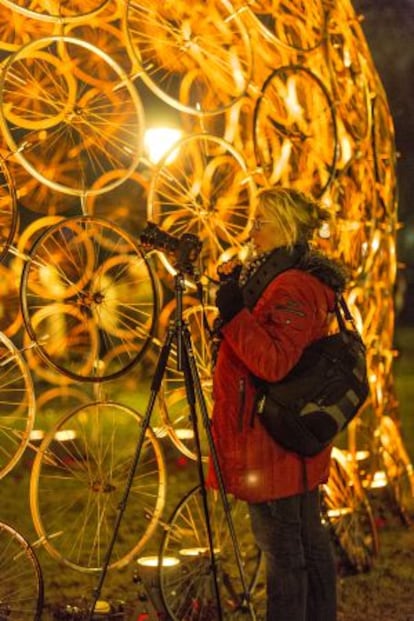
(189, 63)
(77, 484)
(349, 516)
(87, 290)
(68, 128)
(295, 130)
(190, 590)
(17, 405)
(205, 190)
(21, 583)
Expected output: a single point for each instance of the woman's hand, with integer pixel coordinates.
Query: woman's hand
(229, 299)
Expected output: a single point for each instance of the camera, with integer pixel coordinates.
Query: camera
(184, 250)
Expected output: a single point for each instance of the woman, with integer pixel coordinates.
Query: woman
(280, 302)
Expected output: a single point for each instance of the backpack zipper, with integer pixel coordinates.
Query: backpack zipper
(242, 402)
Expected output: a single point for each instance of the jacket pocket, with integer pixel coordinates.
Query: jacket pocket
(241, 403)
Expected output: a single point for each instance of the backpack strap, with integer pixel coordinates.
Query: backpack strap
(343, 313)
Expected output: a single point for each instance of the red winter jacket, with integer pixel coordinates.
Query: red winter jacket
(292, 312)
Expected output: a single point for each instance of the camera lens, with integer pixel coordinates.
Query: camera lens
(154, 237)
(185, 248)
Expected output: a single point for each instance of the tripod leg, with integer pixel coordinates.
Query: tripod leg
(189, 387)
(195, 394)
(155, 386)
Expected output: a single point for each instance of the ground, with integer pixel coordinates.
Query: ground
(385, 593)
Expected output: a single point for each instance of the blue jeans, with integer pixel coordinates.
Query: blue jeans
(300, 568)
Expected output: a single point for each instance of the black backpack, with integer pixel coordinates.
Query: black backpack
(323, 392)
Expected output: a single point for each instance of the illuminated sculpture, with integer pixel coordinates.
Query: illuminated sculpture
(262, 93)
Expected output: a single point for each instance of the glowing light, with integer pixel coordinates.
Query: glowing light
(237, 71)
(49, 276)
(375, 244)
(346, 148)
(197, 552)
(347, 57)
(282, 162)
(159, 140)
(102, 606)
(292, 99)
(65, 435)
(359, 455)
(379, 480)
(184, 434)
(325, 231)
(153, 561)
(337, 513)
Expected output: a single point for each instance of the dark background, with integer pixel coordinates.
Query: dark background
(389, 29)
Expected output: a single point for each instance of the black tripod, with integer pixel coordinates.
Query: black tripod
(178, 332)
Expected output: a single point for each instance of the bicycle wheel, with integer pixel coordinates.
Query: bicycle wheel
(27, 238)
(8, 210)
(17, 405)
(398, 469)
(86, 289)
(188, 593)
(103, 35)
(57, 12)
(170, 41)
(385, 155)
(50, 111)
(21, 581)
(349, 74)
(16, 29)
(354, 199)
(126, 204)
(38, 197)
(78, 480)
(202, 187)
(173, 397)
(53, 402)
(69, 341)
(295, 24)
(11, 317)
(295, 132)
(348, 515)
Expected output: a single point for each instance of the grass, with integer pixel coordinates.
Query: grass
(404, 384)
(383, 594)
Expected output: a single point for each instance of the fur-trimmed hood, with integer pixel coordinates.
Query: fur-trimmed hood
(301, 256)
(329, 271)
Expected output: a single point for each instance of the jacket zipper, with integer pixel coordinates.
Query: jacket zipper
(242, 402)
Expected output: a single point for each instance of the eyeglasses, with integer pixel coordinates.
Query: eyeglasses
(257, 223)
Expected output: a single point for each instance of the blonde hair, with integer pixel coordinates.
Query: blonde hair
(296, 215)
